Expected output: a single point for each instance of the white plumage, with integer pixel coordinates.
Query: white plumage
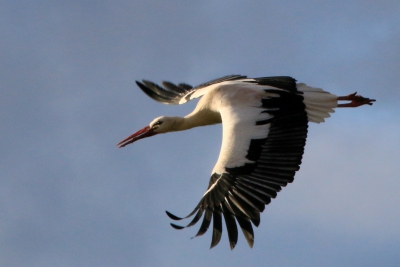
(265, 123)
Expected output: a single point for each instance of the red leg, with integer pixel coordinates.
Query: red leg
(356, 101)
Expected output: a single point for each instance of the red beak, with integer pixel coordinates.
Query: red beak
(143, 133)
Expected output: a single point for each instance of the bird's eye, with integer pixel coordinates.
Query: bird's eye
(157, 123)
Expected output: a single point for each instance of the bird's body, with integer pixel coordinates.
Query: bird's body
(265, 123)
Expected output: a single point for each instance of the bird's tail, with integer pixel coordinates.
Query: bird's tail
(319, 103)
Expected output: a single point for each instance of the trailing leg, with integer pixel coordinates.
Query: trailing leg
(356, 101)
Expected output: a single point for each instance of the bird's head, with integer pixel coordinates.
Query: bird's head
(161, 124)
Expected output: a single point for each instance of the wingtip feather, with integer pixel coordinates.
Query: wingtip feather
(172, 216)
(177, 227)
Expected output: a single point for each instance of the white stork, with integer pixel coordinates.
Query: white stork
(265, 123)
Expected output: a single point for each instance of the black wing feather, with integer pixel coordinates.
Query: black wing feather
(231, 227)
(172, 87)
(247, 230)
(152, 93)
(206, 222)
(217, 227)
(220, 80)
(281, 82)
(172, 94)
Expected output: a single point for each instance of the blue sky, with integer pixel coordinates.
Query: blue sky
(69, 197)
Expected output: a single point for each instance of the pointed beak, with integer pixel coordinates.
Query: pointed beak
(143, 133)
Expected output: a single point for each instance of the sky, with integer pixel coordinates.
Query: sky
(70, 197)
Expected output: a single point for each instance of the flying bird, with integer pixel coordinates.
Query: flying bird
(264, 122)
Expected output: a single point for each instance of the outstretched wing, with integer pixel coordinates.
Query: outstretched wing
(181, 93)
(262, 148)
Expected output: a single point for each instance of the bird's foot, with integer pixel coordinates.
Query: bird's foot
(356, 101)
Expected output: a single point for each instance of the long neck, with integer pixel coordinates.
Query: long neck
(200, 118)
(181, 124)
(192, 120)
